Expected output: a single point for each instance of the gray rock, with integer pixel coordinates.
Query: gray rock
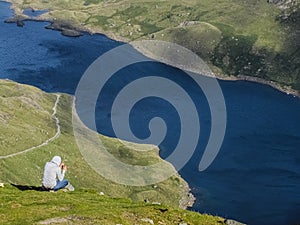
(71, 33)
(20, 23)
(233, 222)
(147, 220)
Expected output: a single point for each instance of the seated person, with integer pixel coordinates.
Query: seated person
(54, 173)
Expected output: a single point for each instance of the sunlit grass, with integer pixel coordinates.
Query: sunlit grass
(88, 207)
(27, 169)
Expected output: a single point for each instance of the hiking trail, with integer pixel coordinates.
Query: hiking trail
(57, 134)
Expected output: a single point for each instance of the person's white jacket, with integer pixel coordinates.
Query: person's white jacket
(52, 172)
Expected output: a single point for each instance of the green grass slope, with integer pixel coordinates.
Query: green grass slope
(88, 207)
(200, 37)
(26, 119)
(257, 38)
(27, 111)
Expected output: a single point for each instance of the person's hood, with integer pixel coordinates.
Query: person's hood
(57, 160)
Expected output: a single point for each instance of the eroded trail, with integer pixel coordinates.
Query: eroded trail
(57, 134)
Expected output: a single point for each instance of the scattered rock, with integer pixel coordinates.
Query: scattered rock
(233, 222)
(188, 23)
(15, 205)
(65, 208)
(147, 220)
(182, 224)
(101, 193)
(156, 203)
(161, 223)
(2, 185)
(54, 220)
(65, 220)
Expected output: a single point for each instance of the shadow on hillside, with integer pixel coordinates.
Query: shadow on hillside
(27, 187)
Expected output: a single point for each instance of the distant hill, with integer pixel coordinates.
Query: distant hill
(256, 38)
(28, 118)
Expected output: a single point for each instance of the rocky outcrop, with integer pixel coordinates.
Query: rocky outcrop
(65, 28)
(19, 20)
(187, 201)
(283, 4)
(288, 7)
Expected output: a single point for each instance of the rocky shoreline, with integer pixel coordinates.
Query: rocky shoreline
(285, 89)
(65, 28)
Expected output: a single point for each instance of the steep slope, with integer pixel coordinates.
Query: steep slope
(27, 120)
(25, 117)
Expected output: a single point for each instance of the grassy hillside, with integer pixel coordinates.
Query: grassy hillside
(254, 37)
(27, 121)
(25, 117)
(26, 114)
(88, 207)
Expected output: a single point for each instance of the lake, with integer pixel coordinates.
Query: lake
(256, 176)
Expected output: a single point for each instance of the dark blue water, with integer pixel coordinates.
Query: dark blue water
(256, 176)
(46, 59)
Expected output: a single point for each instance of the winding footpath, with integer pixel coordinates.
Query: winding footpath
(58, 132)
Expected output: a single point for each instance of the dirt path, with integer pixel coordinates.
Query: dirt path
(58, 132)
